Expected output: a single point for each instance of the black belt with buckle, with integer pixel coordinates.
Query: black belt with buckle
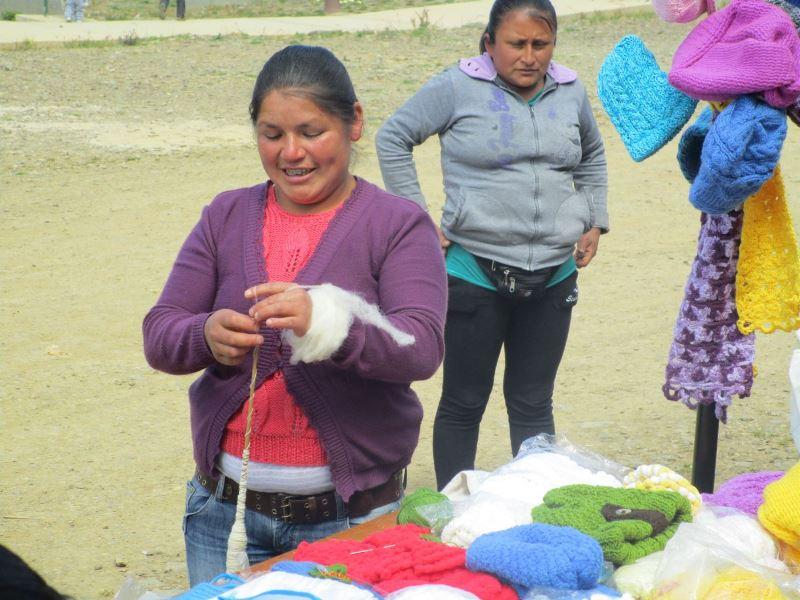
(315, 508)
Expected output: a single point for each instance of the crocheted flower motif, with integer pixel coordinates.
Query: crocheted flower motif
(768, 276)
(644, 108)
(710, 360)
(628, 523)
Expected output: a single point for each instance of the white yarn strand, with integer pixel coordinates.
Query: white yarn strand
(236, 559)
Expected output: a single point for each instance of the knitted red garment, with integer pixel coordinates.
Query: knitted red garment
(398, 557)
(281, 432)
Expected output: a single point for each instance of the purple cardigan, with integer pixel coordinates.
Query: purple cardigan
(360, 401)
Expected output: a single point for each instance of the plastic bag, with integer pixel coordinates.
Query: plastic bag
(505, 497)
(724, 553)
(794, 401)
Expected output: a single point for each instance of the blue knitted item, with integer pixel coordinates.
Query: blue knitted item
(691, 145)
(739, 155)
(644, 108)
(538, 555)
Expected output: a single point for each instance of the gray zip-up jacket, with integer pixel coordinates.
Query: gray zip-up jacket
(522, 183)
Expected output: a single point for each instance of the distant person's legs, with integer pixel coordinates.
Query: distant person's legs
(534, 344)
(476, 322)
(181, 8)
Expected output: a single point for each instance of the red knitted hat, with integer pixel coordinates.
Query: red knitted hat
(398, 557)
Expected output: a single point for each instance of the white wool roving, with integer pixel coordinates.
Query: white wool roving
(332, 313)
(486, 513)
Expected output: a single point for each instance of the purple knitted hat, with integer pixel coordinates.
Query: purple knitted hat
(748, 47)
(682, 11)
(710, 361)
(744, 492)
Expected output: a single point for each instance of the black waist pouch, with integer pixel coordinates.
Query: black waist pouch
(515, 283)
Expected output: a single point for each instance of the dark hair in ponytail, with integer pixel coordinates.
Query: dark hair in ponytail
(310, 71)
(541, 9)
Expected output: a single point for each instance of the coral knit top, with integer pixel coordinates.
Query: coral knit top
(281, 432)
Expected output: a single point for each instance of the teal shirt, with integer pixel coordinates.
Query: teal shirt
(463, 265)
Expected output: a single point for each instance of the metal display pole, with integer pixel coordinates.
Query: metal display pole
(704, 463)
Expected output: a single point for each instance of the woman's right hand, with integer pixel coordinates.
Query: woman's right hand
(443, 241)
(231, 335)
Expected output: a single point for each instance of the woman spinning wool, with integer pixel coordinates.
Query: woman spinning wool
(525, 204)
(320, 271)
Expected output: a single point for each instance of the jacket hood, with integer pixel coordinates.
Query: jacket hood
(482, 67)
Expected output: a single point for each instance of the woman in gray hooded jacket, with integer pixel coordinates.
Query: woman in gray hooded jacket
(525, 185)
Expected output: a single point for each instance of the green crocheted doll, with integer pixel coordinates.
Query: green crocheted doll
(628, 523)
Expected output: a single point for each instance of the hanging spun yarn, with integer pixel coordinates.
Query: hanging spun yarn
(768, 276)
(710, 360)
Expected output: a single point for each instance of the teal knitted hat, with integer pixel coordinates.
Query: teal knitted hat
(628, 523)
(644, 108)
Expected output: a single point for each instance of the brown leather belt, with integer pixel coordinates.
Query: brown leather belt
(315, 508)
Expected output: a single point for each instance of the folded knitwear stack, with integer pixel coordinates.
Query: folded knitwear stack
(399, 557)
(505, 497)
(628, 523)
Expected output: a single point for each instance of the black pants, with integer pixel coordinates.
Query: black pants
(480, 322)
(180, 7)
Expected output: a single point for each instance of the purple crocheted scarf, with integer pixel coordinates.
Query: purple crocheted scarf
(710, 361)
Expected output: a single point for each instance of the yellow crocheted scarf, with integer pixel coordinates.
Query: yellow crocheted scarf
(768, 274)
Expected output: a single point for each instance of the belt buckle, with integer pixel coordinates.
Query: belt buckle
(287, 513)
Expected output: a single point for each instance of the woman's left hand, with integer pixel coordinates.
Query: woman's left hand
(285, 305)
(586, 248)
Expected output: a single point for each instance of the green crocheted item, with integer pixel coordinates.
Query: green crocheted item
(409, 507)
(628, 523)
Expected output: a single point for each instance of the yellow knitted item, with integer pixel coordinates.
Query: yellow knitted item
(659, 477)
(768, 274)
(780, 513)
(739, 583)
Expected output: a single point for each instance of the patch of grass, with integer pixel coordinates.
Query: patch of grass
(115, 10)
(8, 15)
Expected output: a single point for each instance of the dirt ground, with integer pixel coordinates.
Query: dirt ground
(109, 153)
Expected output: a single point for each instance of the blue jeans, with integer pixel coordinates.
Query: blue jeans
(207, 523)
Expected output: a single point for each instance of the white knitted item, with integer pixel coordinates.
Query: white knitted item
(332, 313)
(505, 498)
(277, 581)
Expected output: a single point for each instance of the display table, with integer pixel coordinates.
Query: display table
(358, 532)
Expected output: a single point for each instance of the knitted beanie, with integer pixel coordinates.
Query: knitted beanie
(659, 477)
(780, 512)
(739, 155)
(691, 145)
(538, 555)
(736, 582)
(710, 360)
(628, 523)
(644, 108)
(439, 512)
(399, 557)
(747, 47)
(682, 11)
(793, 10)
(768, 277)
(744, 492)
